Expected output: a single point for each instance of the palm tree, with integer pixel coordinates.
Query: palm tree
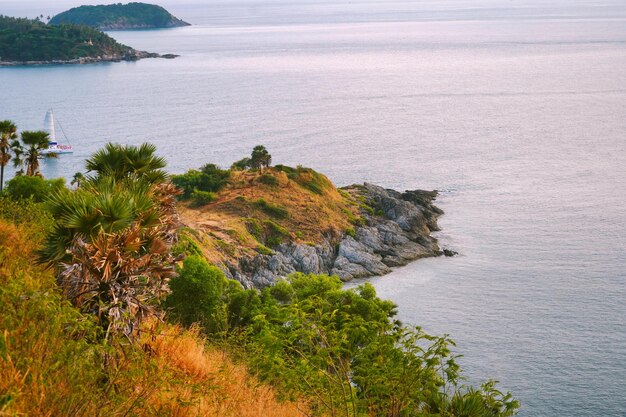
(7, 134)
(260, 158)
(29, 151)
(112, 239)
(78, 179)
(123, 161)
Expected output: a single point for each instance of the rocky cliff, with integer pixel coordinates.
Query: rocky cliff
(259, 229)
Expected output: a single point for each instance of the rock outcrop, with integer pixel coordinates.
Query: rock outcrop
(396, 229)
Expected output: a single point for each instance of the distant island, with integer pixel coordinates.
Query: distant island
(120, 17)
(32, 42)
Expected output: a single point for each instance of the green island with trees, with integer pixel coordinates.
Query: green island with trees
(120, 17)
(26, 41)
(106, 308)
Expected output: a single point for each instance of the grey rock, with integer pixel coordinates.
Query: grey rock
(400, 235)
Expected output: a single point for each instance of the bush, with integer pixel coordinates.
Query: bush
(209, 178)
(37, 188)
(266, 232)
(241, 165)
(271, 209)
(200, 294)
(306, 178)
(345, 349)
(268, 180)
(202, 198)
(37, 220)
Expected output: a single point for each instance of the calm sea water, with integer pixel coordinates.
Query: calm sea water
(515, 110)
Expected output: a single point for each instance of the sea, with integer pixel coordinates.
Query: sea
(515, 110)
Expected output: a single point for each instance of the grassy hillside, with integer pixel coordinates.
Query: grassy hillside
(107, 309)
(52, 356)
(119, 16)
(256, 211)
(24, 40)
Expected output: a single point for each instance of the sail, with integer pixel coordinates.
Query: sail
(48, 126)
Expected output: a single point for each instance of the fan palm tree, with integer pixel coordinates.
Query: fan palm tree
(122, 161)
(78, 179)
(260, 158)
(111, 242)
(7, 134)
(29, 150)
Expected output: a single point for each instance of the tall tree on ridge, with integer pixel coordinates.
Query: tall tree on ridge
(260, 158)
(7, 133)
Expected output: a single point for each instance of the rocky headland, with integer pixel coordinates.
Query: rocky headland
(364, 230)
(398, 232)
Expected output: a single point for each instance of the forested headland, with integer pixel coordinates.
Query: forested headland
(119, 17)
(26, 41)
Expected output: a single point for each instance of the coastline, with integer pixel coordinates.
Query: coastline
(133, 56)
(395, 230)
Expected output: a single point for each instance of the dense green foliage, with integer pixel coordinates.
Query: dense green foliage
(201, 294)
(342, 348)
(24, 40)
(36, 188)
(34, 216)
(119, 16)
(200, 185)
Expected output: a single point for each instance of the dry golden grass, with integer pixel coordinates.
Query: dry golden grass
(214, 385)
(312, 216)
(51, 363)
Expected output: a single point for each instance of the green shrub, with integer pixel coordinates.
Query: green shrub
(198, 295)
(186, 243)
(202, 294)
(268, 180)
(202, 198)
(37, 188)
(271, 209)
(344, 347)
(266, 232)
(37, 219)
(264, 250)
(208, 178)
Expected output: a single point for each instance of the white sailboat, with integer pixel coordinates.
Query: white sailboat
(49, 125)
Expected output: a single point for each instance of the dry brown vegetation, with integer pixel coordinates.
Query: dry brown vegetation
(304, 204)
(52, 362)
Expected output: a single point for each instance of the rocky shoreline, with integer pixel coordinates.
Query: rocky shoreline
(129, 57)
(396, 230)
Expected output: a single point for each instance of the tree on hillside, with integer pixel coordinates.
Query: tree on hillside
(29, 150)
(7, 134)
(77, 179)
(260, 158)
(111, 243)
